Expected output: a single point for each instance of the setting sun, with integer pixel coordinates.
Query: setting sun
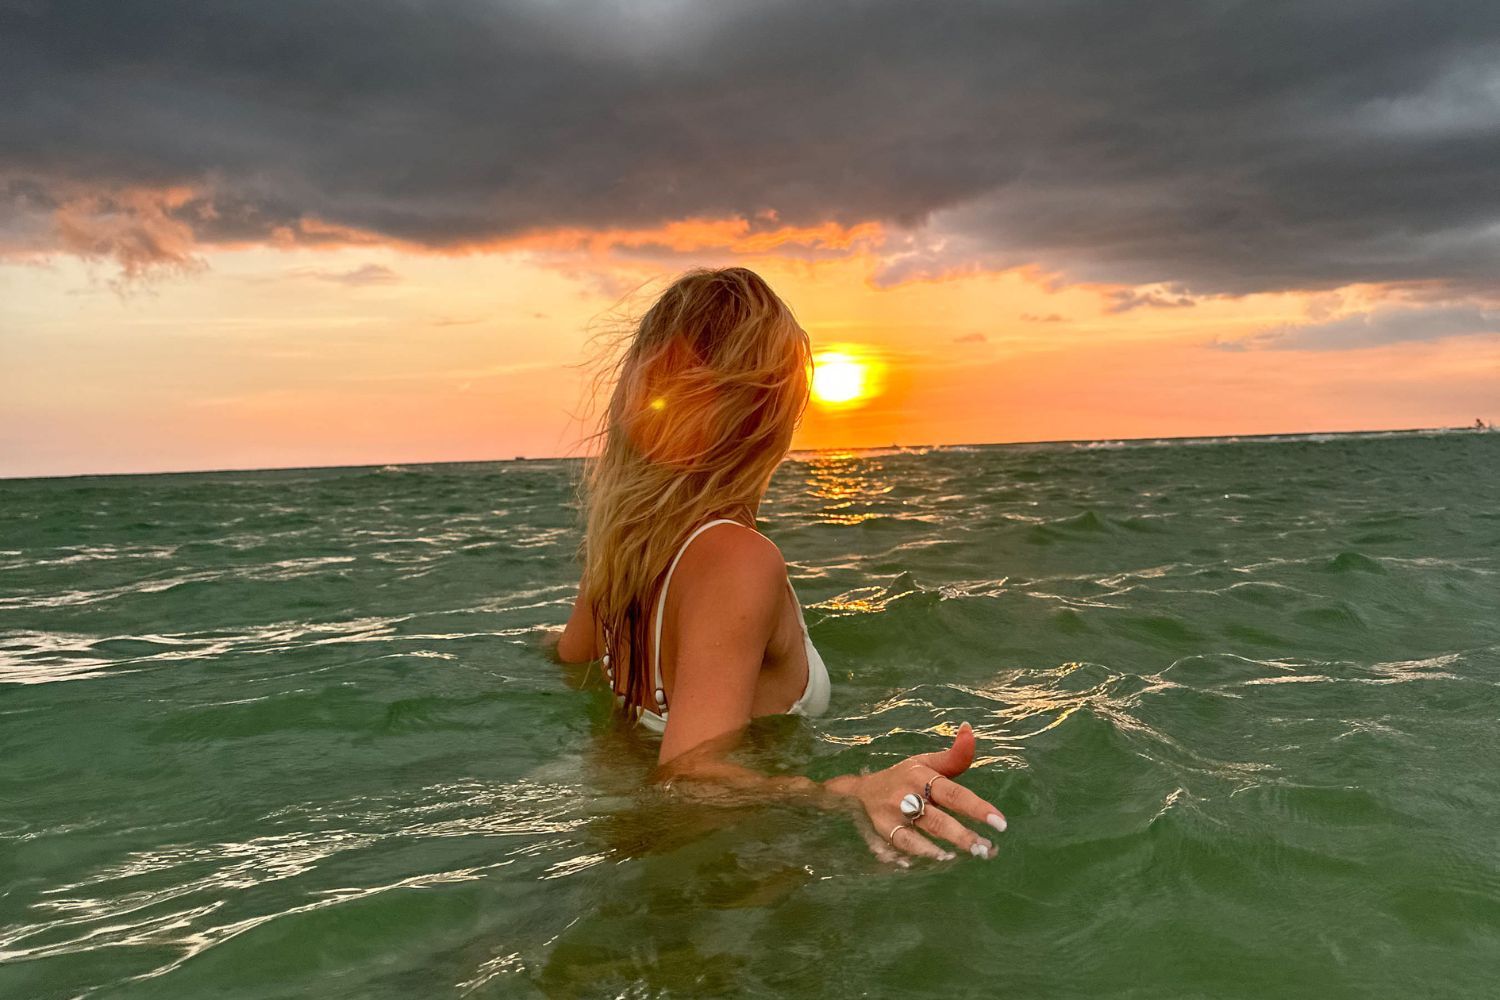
(837, 378)
(842, 378)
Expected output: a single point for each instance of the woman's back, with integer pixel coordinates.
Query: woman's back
(793, 678)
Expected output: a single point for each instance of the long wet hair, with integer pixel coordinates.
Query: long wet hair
(709, 386)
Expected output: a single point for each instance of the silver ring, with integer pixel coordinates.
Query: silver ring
(913, 806)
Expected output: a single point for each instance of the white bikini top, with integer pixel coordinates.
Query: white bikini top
(814, 699)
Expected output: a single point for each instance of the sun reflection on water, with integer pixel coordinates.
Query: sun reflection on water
(845, 482)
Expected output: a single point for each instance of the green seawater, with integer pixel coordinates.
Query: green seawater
(290, 734)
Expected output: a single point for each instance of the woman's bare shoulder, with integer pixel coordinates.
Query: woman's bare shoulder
(731, 558)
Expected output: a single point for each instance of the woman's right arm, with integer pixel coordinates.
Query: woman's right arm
(578, 641)
(726, 616)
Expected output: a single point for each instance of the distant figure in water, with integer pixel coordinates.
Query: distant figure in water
(687, 606)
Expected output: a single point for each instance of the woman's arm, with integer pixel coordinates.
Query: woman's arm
(577, 643)
(732, 592)
(873, 799)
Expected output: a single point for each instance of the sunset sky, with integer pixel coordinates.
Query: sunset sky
(287, 234)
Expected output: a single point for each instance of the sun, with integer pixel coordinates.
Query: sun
(847, 376)
(839, 378)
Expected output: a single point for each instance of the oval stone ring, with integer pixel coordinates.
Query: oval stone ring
(913, 806)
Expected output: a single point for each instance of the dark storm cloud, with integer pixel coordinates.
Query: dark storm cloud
(1208, 147)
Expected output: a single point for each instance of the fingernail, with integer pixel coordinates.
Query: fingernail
(981, 849)
(948, 855)
(996, 820)
(903, 863)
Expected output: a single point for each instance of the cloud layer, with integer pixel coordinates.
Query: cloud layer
(1372, 328)
(1205, 147)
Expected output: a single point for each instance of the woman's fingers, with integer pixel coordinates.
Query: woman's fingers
(956, 759)
(906, 838)
(882, 850)
(878, 845)
(933, 772)
(940, 824)
(951, 795)
(950, 763)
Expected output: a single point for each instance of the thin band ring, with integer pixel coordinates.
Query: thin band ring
(892, 835)
(927, 790)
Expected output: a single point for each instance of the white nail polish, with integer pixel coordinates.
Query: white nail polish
(979, 850)
(996, 820)
(948, 855)
(902, 862)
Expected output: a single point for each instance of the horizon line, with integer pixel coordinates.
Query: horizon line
(794, 452)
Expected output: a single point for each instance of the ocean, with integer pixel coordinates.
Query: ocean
(290, 733)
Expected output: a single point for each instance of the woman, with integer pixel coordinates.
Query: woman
(689, 607)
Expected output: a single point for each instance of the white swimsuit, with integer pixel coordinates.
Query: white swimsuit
(814, 699)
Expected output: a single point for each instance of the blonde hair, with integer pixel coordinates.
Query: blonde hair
(708, 389)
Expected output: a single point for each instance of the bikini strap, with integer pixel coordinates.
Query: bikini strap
(659, 690)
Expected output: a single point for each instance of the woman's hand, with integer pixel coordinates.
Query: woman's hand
(929, 776)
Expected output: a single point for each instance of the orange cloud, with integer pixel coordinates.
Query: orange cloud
(731, 235)
(134, 227)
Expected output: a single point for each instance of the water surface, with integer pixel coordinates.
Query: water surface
(284, 734)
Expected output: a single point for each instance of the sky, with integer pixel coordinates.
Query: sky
(288, 234)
